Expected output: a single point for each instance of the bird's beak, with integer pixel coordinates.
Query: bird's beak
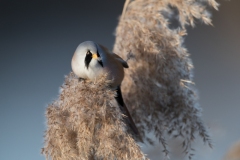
(94, 55)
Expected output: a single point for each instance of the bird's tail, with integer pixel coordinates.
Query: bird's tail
(125, 111)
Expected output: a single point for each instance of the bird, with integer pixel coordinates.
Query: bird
(91, 60)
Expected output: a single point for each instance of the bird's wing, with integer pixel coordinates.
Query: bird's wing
(125, 111)
(124, 63)
(117, 57)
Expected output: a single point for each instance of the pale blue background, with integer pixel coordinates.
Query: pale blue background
(38, 38)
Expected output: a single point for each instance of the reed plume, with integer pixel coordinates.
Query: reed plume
(84, 124)
(158, 86)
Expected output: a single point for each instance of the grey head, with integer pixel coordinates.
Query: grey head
(91, 50)
(87, 45)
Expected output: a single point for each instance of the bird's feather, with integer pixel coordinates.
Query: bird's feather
(125, 111)
(124, 63)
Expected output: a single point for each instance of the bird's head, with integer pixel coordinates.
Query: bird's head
(91, 60)
(89, 50)
(87, 55)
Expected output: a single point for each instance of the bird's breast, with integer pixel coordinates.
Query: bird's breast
(95, 70)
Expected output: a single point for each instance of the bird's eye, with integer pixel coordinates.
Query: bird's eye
(88, 52)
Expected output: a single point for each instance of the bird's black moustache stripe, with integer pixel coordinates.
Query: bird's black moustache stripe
(100, 60)
(88, 59)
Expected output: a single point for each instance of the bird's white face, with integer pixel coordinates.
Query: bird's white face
(86, 62)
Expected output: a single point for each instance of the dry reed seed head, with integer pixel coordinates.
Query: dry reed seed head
(158, 84)
(83, 124)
